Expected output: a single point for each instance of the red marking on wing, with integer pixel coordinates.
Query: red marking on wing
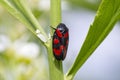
(57, 51)
(66, 35)
(67, 42)
(61, 47)
(56, 41)
(59, 34)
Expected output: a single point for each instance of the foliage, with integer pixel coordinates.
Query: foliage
(107, 15)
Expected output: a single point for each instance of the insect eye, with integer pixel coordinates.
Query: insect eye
(62, 31)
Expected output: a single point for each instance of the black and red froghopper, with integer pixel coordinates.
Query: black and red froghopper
(60, 41)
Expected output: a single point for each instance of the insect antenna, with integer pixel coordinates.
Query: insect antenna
(53, 28)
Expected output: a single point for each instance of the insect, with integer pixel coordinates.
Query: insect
(60, 41)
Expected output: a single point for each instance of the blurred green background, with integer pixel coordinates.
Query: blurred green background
(22, 57)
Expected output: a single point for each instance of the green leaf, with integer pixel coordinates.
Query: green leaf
(20, 11)
(106, 17)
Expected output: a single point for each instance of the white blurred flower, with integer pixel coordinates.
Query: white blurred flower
(44, 4)
(27, 49)
(4, 42)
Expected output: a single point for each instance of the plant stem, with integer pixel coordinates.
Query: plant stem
(55, 12)
(55, 66)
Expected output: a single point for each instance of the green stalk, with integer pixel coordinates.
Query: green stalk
(55, 66)
(55, 12)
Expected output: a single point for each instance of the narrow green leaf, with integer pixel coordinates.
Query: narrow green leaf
(106, 17)
(20, 11)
